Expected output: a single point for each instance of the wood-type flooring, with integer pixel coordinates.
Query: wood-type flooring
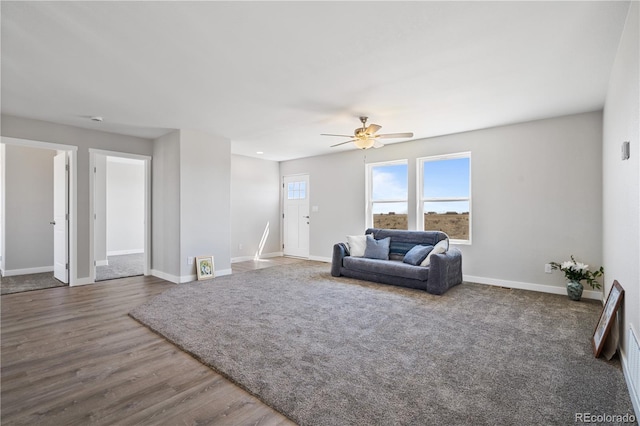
(72, 356)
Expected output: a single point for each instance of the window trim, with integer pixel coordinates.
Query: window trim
(420, 200)
(369, 189)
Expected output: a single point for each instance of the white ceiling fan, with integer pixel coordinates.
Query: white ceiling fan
(365, 137)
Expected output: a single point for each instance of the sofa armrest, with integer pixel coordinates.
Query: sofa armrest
(340, 250)
(445, 271)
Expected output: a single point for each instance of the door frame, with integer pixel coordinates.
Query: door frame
(72, 231)
(282, 218)
(147, 206)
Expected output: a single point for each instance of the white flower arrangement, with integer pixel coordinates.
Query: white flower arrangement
(578, 271)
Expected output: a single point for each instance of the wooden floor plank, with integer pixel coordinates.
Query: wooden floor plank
(74, 356)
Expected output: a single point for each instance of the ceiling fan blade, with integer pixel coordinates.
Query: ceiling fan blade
(396, 135)
(372, 128)
(331, 134)
(377, 144)
(342, 143)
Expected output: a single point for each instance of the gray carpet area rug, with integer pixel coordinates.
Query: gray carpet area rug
(335, 351)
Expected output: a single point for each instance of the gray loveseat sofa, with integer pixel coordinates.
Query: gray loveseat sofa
(443, 272)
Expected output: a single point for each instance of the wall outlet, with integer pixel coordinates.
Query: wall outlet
(547, 268)
(190, 260)
(239, 246)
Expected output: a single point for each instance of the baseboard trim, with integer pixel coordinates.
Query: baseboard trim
(320, 259)
(635, 400)
(81, 281)
(26, 271)
(262, 256)
(167, 277)
(223, 272)
(102, 262)
(121, 252)
(185, 278)
(587, 294)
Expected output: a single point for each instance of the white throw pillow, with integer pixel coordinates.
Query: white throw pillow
(357, 245)
(439, 248)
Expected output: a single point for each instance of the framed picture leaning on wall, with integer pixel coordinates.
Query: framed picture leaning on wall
(607, 317)
(204, 267)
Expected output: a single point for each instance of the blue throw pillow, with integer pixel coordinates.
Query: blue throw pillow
(417, 254)
(377, 249)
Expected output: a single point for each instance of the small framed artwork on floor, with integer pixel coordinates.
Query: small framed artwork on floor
(607, 317)
(204, 267)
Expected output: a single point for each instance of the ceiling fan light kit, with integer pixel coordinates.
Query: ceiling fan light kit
(363, 143)
(365, 137)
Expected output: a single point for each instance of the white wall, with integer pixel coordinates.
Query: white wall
(165, 210)
(205, 200)
(191, 203)
(621, 179)
(23, 128)
(536, 191)
(2, 189)
(255, 207)
(125, 206)
(100, 203)
(29, 209)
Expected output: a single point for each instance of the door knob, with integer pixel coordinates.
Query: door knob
(52, 223)
(306, 217)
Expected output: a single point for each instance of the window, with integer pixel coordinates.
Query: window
(387, 193)
(444, 189)
(297, 190)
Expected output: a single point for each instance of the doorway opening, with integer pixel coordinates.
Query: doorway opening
(37, 215)
(120, 231)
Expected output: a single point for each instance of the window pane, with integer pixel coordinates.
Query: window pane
(389, 182)
(446, 178)
(449, 217)
(290, 186)
(303, 194)
(390, 215)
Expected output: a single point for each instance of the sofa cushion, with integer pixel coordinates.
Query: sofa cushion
(417, 254)
(357, 244)
(386, 267)
(402, 240)
(439, 248)
(377, 249)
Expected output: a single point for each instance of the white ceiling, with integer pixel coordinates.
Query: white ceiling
(272, 76)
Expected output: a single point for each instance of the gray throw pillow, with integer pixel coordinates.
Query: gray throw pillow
(377, 249)
(417, 254)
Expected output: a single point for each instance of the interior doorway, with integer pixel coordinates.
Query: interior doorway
(296, 219)
(120, 232)
(38, 190)
(119, 215)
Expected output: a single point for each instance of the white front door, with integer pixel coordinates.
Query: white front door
(60, 218)
(296, 215)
